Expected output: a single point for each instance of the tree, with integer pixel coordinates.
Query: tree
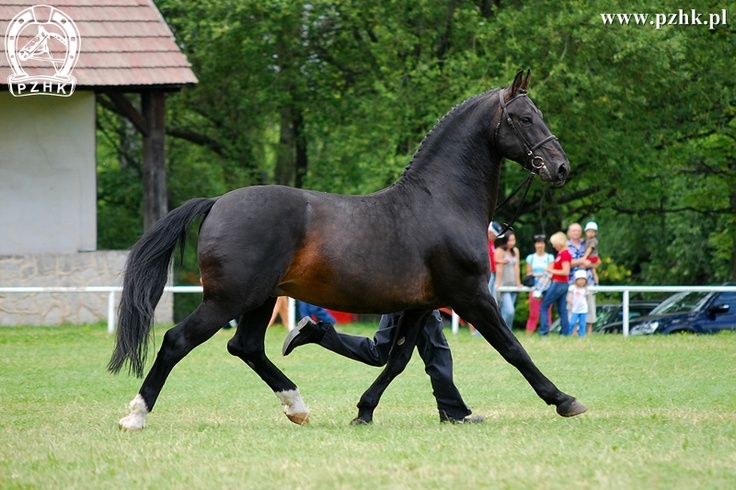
(337, 96)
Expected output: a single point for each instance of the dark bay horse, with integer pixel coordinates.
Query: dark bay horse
(419, 244)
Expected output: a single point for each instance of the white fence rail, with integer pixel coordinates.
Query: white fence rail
(625, 291)
(113, 290)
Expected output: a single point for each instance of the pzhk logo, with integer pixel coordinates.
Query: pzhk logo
(42, 45)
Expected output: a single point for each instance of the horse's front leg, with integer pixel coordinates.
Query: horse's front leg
(407, 333)
(248, 345)
(485, 316)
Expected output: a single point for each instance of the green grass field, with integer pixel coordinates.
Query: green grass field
(662, 414)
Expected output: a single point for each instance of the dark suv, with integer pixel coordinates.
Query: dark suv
(690, 312)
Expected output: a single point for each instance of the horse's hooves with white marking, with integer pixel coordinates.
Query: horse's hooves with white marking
(137, 417)
(571, 408)
(299, 418)
(131, 423)
(294, 406)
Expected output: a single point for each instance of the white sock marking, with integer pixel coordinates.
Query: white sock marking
(137, 418)
(294, 406)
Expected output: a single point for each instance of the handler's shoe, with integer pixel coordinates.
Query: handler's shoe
(306, 332)
(470, 419)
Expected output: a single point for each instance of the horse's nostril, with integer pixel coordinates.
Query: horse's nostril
(562, 171)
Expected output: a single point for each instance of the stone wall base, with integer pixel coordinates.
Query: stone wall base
(83, 269)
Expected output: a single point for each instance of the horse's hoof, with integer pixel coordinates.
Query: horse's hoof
(571, 408)
(299, 418)
(359, 421)
(136, 419)
(131, 423)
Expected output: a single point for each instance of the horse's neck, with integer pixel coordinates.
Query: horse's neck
(456, 162)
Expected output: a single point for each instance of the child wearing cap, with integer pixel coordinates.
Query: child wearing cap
(577, 302)
(591, 246)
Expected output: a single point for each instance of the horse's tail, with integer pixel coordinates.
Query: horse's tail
(146, 272)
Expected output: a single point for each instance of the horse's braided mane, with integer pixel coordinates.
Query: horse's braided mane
(441, 122)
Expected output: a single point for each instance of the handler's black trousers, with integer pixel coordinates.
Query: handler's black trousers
(432, 347)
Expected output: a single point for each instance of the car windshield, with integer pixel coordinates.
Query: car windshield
(605, 314)
(679, 302)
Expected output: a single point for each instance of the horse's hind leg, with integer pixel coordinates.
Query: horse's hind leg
(248, 345)
(198, 327)
(407, 333)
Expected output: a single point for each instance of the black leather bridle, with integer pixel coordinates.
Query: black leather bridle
(533, 159)
(535, 162)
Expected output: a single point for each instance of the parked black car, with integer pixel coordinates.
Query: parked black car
(611, 313)
(690, 312)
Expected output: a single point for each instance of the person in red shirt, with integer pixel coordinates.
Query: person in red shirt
(494, 229)
(557, 292)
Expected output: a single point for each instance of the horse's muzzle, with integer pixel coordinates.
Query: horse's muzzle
(562, 172)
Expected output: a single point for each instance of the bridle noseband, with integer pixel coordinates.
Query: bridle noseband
(536, 162)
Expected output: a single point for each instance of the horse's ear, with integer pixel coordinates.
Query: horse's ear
(518, 81)
(525, 83)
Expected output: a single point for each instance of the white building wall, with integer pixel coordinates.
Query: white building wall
(47, 174)
(48, 212)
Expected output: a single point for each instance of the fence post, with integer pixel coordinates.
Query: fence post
(291, 321)
(455, 322)
(111, 312)
(626, 313)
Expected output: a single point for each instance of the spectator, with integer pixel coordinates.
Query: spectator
(535, 265)
(431, 344)
(280, 309)
(557, 292)
(591, 247)
(507, 275)
(577, 300)
(494, 229)
(316, 312)
(577, 251)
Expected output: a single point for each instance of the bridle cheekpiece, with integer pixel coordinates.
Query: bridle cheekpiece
(535, 162)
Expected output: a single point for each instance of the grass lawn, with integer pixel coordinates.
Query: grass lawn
(662, 414)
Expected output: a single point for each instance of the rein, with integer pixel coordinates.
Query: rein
(528, 182)
(536, 162)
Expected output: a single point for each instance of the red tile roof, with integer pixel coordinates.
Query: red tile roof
(124, 43)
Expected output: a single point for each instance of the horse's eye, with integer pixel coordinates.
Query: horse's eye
(526, 119)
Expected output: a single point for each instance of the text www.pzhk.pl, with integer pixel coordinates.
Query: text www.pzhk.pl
(679, 18)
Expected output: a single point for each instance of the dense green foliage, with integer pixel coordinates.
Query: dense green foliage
(336, 96)
(662, 415)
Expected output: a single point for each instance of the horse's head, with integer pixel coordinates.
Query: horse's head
(521, 134)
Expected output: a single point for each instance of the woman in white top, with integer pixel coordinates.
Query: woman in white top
(507, 274)
(535, 265)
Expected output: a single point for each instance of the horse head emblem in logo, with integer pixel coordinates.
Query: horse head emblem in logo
(42, 45)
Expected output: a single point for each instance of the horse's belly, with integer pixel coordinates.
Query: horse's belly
(356, 286)
(367, 301)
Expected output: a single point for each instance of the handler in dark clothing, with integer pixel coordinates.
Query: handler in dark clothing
(431, 344)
